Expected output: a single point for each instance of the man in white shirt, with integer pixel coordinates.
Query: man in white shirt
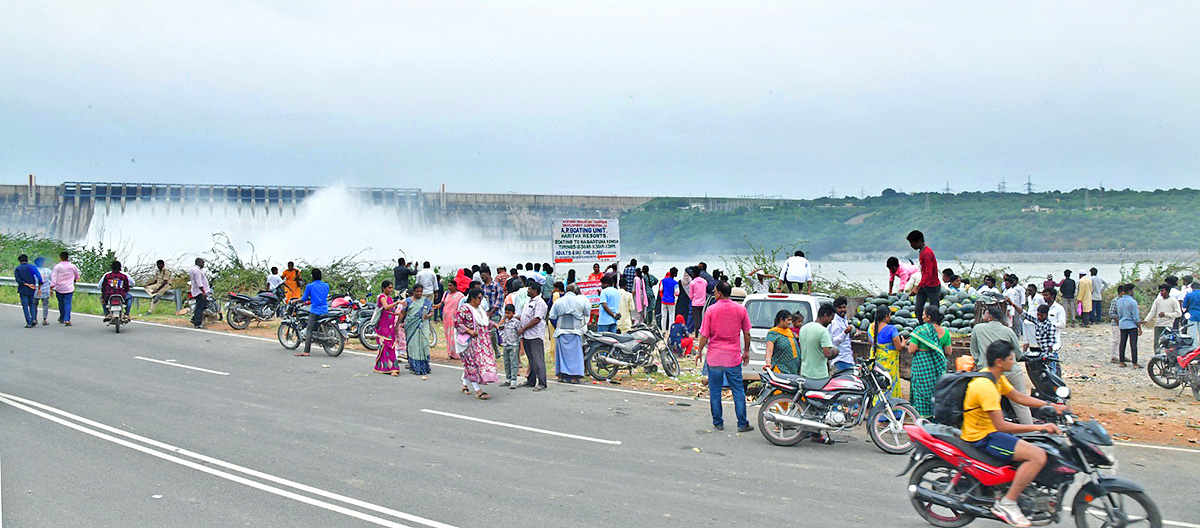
(1015, 293)
(1163, 312)
(427, 280)
(796, 270)
(274, 281)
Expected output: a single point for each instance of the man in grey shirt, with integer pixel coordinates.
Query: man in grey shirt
(1098, 286)
(990, 331)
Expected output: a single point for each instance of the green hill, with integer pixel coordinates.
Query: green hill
(1080, 220)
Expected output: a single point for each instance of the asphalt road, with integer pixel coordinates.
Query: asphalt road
(93, 436)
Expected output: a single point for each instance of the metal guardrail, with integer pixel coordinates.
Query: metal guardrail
(137, 292)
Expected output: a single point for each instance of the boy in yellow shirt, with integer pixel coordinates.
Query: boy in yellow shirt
(984, 427)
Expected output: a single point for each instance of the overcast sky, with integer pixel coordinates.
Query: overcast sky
(644, 97)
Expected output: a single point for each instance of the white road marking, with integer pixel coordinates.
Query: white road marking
(1166, 522)
(523, 428)
(1165, 448)
(180, 365)
(26, 405)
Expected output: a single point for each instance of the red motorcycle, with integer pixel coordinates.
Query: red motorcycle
(954, 483)
(1177, 363)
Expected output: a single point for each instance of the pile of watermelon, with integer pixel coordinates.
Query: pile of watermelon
(959, 309)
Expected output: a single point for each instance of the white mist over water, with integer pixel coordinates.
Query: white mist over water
(333, 222)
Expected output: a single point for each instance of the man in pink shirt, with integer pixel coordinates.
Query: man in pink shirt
(62, 279)
(698, 293)
(724, 347)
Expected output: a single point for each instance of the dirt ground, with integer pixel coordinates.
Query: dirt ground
(1130, 406)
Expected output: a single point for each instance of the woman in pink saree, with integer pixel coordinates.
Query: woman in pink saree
(387, 330)
(450, 304)
(474, 345)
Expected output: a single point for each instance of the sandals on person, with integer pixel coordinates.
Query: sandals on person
(483, 396)
(465, 390)
(301, 354)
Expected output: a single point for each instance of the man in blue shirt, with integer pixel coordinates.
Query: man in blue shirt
(1191, 307)
(1129, 321)
(28, 281)
(610, 305)
(317, 294)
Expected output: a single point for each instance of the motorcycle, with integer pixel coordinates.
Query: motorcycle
(116, 312)
(610, 352)
(357, 323)
(795, 407)
(212, 310)
(241, 309)
(1178, 363)
(954, 483)
(1046, 381)
(293, 329)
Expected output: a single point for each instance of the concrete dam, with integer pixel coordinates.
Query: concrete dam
(90, 212)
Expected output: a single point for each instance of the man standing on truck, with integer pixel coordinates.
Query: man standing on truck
(929, 290)
(796, 270)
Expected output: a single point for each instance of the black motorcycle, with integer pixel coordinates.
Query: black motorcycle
(794, 407)
(293, 329)
(1046, 381)
(1177, 363)
(610, 352)
(242, 309)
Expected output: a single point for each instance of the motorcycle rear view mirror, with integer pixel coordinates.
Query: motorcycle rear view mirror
(1062, 392)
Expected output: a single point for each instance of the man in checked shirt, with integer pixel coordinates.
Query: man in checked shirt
(1045, 333)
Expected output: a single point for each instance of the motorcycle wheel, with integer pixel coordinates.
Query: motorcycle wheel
(1196, 391)
(775, 432)
(369, 343)
(1093, 513)
(289, 336)
(596, 367)
(332, 340)
(934, 474)
(236, 320)
(117, 323)
(670, 363)
(888, 431)
(1162, 374)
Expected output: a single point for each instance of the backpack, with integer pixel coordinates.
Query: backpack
(949, 394)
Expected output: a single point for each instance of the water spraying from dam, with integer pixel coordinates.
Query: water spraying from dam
(332, 222)
(144, 222)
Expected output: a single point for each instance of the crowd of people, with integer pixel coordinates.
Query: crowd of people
(493, 319)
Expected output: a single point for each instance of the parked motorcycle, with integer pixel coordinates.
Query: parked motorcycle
(212, 310)
(795, 407)
(1046, 382)
(954, 483)
(357, 322)
(1177, 364)
(610, 352)
(116, 312)
(241, 309)
(293, 329)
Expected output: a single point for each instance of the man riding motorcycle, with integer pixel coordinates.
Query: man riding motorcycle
(985, 428)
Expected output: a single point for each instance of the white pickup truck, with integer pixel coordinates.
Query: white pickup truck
(762, 308)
